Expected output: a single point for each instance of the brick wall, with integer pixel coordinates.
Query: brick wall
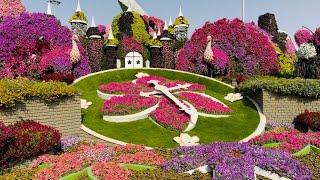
(285, 108)
(64, 115)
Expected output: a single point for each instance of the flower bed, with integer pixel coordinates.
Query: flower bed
(236, 161)
(204, 104)
(169, 115)
(105, 162)
(26, 140)
(312, 161)
(128, 104)
(290, 141)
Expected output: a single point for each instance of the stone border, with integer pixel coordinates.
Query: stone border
(105, 96)
(268, 174)
(132, 117)
(261, 127)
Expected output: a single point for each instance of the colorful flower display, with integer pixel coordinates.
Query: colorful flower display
(204, 104)
(24, 140)
(30, 47)
(290, 141)
(236, 161)
(249, 46)
(139, 94)
(129, 104)
(303, 36)
(11, 8)
(169, 115)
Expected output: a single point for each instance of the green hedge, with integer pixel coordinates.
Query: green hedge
(18, 90)
(297, 87)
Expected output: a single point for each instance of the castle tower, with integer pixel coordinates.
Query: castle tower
(181, 26)
(79, 21)
(93, 32)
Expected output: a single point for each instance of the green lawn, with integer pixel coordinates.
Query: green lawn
(240, 124)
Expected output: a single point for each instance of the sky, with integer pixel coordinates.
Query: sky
(291, 14)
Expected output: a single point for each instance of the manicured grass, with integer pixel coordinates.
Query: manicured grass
(243, 120)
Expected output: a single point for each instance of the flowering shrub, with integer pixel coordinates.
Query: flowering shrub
(236, 161)
(128, 104)
(5, 135)
(307, 51)
(296, 87)
(13, 91)
(30, 139)
(169, 115)
(204, 104)
(11, 8)
(309, 120)
(290, 141)
(62, 77)
(249, 46)
(37, 48)
(317, 37)
(303, 36)
(110, 171)
(68, 142)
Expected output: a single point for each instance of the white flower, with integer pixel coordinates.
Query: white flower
(307, 51)
(233, 97)
(85, 104)
(186, 140)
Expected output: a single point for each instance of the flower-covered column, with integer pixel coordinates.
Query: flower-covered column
(110, 52)
(156, 60)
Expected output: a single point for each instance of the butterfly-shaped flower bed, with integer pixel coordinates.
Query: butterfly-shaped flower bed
(172, 104)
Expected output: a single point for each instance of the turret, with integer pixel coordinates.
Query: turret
(79, 21)
(181, 26)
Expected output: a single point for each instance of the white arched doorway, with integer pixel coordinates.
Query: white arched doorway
(133, 60)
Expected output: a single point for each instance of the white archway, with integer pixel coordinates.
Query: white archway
(133, 60)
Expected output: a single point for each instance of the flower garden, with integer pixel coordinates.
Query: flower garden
(138, 99)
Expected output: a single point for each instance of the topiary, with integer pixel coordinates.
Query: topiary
(246, 44)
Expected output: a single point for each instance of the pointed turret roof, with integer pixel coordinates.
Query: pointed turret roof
(134, 6)
(78, 7)
(170, 22)
(165, 25)
(180, 12)
(49, 10)
(93, 23)
(129, 8)
(110, 36)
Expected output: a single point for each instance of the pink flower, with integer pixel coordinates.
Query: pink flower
(303, 36)
(203, 103)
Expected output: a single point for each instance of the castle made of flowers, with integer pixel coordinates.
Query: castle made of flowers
(134, 39)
